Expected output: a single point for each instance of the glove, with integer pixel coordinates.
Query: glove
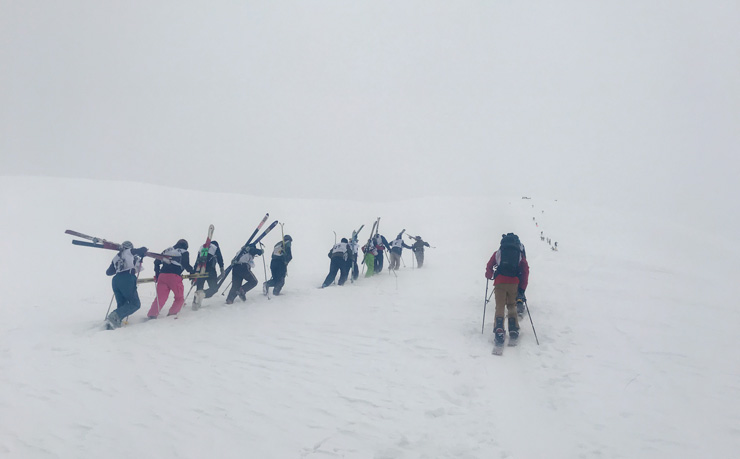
(156, 278)
(144, 249)
(489, 275)
(520, 292)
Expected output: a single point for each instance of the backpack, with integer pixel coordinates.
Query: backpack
(510, 254)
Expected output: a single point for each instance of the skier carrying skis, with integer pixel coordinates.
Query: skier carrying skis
(124, 267)
(243, 263)
(339, 255)
(397, 246)
(214, 258)
(370, 251)
(381, 243)
(354, 247)
(418, 248)
(511, 277)
(168, 277)
(281, 256)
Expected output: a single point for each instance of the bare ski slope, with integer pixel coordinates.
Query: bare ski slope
(637, 354)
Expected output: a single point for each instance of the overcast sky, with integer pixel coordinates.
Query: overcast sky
(622, 100)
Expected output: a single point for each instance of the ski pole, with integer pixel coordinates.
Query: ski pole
(227, 288)
(156, 295)
(530, 321)
(264, 266)
(485, 303)
(109, 305)
(402, 261)
(335, 238)
(186, 296)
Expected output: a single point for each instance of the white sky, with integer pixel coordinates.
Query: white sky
(619, 100)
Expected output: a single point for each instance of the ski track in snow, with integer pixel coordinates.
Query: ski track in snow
(383, 368)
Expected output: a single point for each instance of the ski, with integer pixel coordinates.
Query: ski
(200, 266)
(498, 349)
(103, 244)
(186, 276)
(256, 230)
(264, 233)
(249, 242)
(513, 341)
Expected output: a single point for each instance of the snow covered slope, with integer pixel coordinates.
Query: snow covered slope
(636, 358)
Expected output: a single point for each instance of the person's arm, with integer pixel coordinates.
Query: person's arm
(288, 253)
(491, 265)
(524, 276)
(220, 258)
(111, 269)
(185, 262)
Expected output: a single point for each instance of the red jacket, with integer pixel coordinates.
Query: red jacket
(522, 280)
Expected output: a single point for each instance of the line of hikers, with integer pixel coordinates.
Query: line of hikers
(344, 255)
(168, 276)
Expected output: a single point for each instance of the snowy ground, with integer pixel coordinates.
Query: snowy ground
(637, 354)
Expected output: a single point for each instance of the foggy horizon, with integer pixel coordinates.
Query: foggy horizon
(633, 104)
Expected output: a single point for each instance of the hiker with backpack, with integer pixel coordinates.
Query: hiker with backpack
(339, 255)
(509, 270)
(124, 268)
(168, 278)
(418, 248)
(397, 246)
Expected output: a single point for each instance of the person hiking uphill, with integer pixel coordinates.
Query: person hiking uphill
(281, 256)
(124, 267)
(397, 246)
(339, 255)
(242, 271)
(511, 276)
(418, 248)
(168, 277)
(214, 258)
(381, 243)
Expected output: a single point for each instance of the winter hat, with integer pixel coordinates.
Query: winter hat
(182, 244)
(127, 245)
(344, 239)
(288, 238)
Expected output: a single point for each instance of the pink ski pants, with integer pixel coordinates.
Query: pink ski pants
(165, 283)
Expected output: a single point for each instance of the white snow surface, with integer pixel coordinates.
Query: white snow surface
(636, 317)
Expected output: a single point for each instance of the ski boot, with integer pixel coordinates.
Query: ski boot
(513, 332)
(242, 294)
(499, 331)
(112, 321)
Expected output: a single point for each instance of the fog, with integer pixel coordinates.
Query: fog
(630, 103)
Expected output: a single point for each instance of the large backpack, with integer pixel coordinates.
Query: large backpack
(510, 254)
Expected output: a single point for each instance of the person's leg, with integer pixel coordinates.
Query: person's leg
(175, 283)
(163, 292)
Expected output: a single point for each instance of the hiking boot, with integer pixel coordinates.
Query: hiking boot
(114, 320)
(229, 301)
(499, 330)
(513, 327)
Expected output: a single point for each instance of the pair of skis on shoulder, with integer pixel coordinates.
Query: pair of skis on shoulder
(100, 243)
(249, 242)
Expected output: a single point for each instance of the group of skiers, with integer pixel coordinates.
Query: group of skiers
(507, 267)
(344, 255)
(168, 276)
